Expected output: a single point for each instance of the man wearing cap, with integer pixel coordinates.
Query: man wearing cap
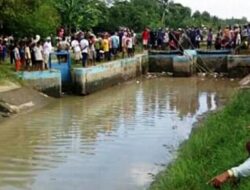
(242, 170)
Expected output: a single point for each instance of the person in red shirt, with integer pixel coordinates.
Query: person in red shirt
(145, 38)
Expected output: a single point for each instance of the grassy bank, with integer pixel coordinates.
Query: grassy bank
(7, 73)
(215, 146)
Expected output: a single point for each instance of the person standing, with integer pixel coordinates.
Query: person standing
(84, 44)
(115, 44)
(160, 38)
(217, 43)
(124, 44)
(238, 41)
(47, 49)
(166, 39)
(4, 49)
(145, 38)
(38, 52)
(209, 39)
(92, 52)
(197, 39)
(134, 41)
(76, 50)
(17, 57)
(27, 51)
(98, 45)
(244, 37)
(11, 50)
(105, 46)
(129, 44)
(1, 51)
(22, 53)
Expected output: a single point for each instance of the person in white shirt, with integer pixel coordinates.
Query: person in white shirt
(134, 38)
(38, 52)
(166, 39)
(76, 50)
(84, 47)
(240, 171)
(47, 49)
(129, 44)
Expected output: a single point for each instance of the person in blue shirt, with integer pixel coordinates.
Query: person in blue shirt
(115, 40)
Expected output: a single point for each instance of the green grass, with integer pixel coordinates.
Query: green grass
(7, 73)
(215, 146)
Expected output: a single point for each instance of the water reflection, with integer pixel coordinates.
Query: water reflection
(114, 139)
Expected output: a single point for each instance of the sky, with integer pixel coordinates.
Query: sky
(220, 8)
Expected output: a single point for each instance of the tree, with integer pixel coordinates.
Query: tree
(36, 17)
(80, 13)
(178, 15)
(197, 14)
(164, 5)
(205, 16)
(69, 11)
(136, 14)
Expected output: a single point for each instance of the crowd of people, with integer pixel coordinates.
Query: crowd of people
(231, 37)
(86, 48)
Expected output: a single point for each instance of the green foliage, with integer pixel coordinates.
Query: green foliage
(7, 73)
(30, 17)
(80, 14)
(217, 145)
(136, 14)
(178, 15)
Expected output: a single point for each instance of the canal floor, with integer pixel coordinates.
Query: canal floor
(116, 139)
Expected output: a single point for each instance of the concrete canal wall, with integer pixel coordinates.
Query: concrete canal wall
(48, 82)
(89, 80)
(238, 65)
(215, 61)
(183, 66)
(221, 61)
(162, 61)
(21, 100)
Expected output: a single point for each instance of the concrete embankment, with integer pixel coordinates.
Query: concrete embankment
(214, 61)
(188, 63)
(89, 80)
(192, 61)
(160, 61)
(21, 99)
(238, 65)
(48, 82)
(16, 99)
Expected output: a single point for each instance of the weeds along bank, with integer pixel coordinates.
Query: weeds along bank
(215, 146)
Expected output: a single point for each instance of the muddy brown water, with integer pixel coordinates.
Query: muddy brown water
(116, 139)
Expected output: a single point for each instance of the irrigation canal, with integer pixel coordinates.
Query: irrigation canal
(118, 138)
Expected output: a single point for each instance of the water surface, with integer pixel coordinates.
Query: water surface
(116, 139)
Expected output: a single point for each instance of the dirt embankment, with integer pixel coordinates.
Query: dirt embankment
(21, 100)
